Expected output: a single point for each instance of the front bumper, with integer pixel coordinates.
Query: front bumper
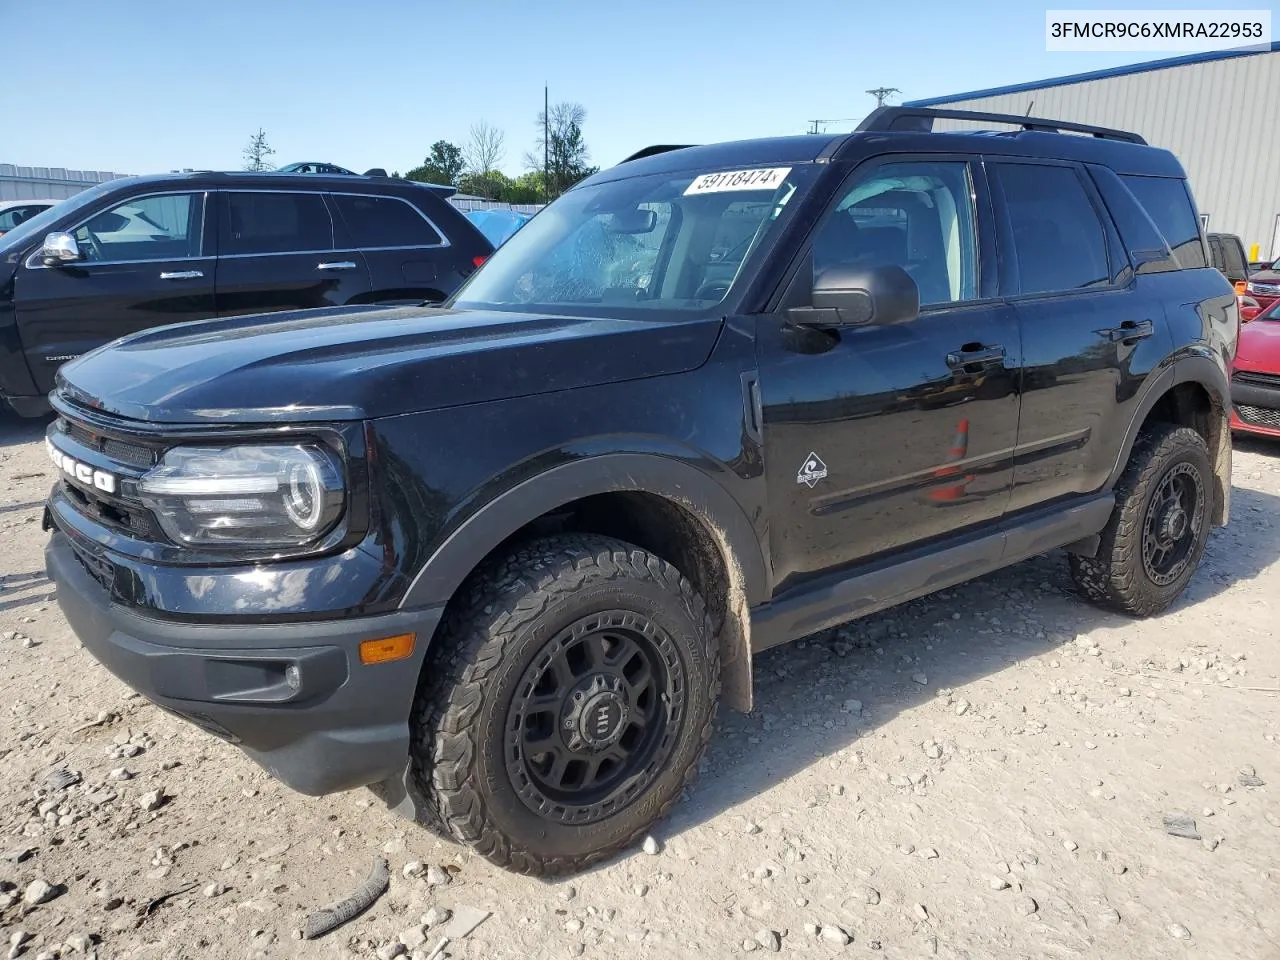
(294, 696)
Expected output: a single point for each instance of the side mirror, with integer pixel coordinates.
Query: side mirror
(853, 296)
(60, 248)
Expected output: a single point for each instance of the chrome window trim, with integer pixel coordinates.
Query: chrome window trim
(30, 263)
(444, 237)
(290, 253)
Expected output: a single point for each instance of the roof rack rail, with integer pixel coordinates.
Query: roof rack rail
(656, 149)
(920, 120)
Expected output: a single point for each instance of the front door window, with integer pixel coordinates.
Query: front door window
(163, 227)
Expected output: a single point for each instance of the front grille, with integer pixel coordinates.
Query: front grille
(122, 456)
(1259, 416)
(112, 512)
(133, 454)
(1256, 379)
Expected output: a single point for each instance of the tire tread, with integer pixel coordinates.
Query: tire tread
(1114, 578)
(474, 645)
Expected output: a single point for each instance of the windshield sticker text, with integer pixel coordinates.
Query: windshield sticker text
(769, 178)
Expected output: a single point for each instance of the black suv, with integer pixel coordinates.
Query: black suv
(140, 252)
(499, 558)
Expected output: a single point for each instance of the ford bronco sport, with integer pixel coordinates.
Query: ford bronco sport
(499, 558)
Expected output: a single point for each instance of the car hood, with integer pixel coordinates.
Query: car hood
(1265, 276)
(350, 363)
(1258, 348)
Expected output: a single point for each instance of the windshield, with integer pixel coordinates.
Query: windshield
(22, 235)
(1271, 313)
(664, 241)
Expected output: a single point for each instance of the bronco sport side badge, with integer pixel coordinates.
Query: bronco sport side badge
(812, 471)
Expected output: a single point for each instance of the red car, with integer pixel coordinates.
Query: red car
(1255, 375)
(1264, 285)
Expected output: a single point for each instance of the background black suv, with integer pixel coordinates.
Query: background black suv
(140, 252)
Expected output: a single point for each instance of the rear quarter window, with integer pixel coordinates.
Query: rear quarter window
(385, 222)
(1168, 204)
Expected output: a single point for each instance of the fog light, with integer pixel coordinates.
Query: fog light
(387, 648)
(293, 677)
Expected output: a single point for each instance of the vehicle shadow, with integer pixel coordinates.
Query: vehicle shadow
(1021, 612)
(29, 505)
(16, 430)
(15, 590)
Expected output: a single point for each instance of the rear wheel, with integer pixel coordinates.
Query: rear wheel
(567, 704)
(1156, 537)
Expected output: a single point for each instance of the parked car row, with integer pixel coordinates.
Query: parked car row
(146, 251)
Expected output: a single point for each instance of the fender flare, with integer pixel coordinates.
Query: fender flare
(674, 480)
(1195, 368)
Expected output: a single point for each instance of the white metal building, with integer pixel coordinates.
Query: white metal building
(47, 183)
(1215, 111)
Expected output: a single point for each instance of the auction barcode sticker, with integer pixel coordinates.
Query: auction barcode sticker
(768, 178)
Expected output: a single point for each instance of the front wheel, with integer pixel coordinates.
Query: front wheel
(567, 704)
(1154, 542)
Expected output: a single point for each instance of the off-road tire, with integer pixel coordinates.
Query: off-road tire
(503, 620)
(1116, 578)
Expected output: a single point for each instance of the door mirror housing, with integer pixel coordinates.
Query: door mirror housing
(855, 296)
(60, 248)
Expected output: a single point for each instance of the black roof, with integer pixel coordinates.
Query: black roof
(909, 130)
(804, 148)
(271, 179)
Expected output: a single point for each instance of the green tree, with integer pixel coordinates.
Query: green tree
(443, 165)
(258, 152)
(526, 188)
(561, 147)
(495, 185)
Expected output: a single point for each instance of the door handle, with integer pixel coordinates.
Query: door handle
(975, 354)
(337, 265)
(182, 275)
(1130, 330)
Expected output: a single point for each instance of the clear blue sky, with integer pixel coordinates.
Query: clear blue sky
(140, 86)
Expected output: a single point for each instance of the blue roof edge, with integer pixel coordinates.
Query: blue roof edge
(1146, 67)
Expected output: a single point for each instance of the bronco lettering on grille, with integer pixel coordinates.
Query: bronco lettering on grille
(98, 479)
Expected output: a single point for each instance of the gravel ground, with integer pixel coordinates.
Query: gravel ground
(995, 771)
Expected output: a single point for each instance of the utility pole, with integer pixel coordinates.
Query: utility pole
(882, 93)
(546, 145)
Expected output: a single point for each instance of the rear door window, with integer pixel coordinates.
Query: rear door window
(258, 223)
(379, 222)
(1168, 204)
(1058, 239)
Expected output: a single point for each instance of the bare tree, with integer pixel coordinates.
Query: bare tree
(258, 151)
(483, 153)
(560, 150)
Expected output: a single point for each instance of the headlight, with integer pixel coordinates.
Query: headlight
(266, 496)
(1266, 289)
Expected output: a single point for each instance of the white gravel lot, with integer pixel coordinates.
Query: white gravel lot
(981, 774)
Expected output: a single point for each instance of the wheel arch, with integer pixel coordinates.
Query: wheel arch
(723, 556)
(1193, 391)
